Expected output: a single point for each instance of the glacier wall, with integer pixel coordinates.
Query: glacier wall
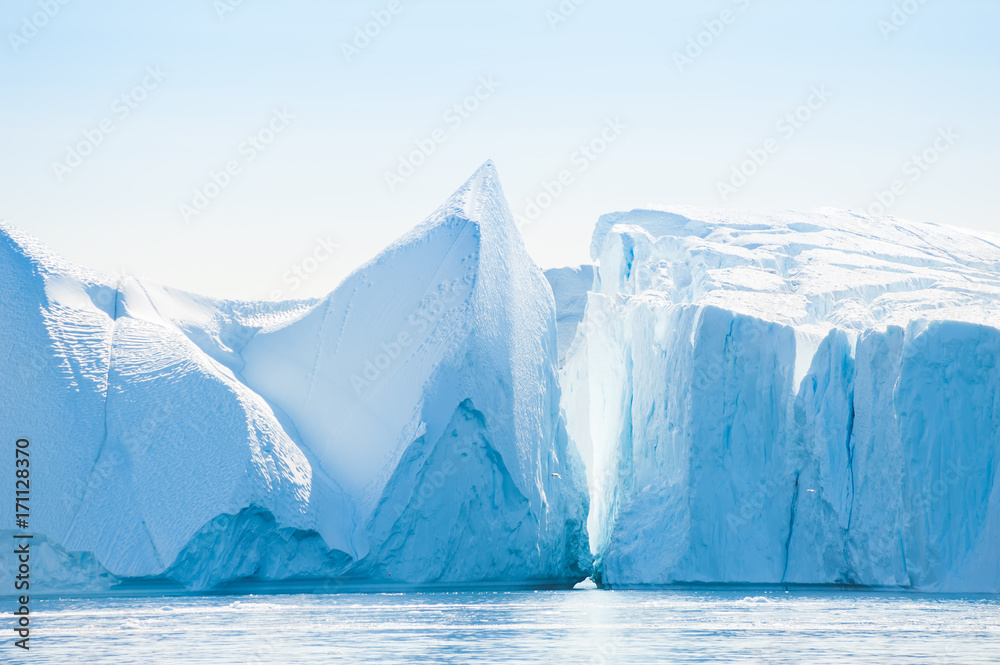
(570, 286)
(790, 398)
(403, 430)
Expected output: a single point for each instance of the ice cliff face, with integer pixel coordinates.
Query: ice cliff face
(785, 398)
(570, 286)
(404, 429)
(798, 398)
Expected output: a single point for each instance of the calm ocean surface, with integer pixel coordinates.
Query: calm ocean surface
(580, 626)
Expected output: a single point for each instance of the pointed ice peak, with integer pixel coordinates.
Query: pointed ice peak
(486, 172)
(482, 185)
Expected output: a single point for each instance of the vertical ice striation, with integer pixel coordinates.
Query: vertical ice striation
(790, 398)
(570, 287)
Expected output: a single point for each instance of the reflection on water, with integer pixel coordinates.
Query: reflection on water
(581, 626)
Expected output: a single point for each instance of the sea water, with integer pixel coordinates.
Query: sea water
(536, 627)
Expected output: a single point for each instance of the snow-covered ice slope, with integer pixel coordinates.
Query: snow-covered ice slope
(404, 429)
(790, 397)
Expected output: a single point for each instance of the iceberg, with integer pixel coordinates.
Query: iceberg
(403, 430)
(789, 398)
(722, 397)
(570, 287)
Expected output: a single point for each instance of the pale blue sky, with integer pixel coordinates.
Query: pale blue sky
(324, 174)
